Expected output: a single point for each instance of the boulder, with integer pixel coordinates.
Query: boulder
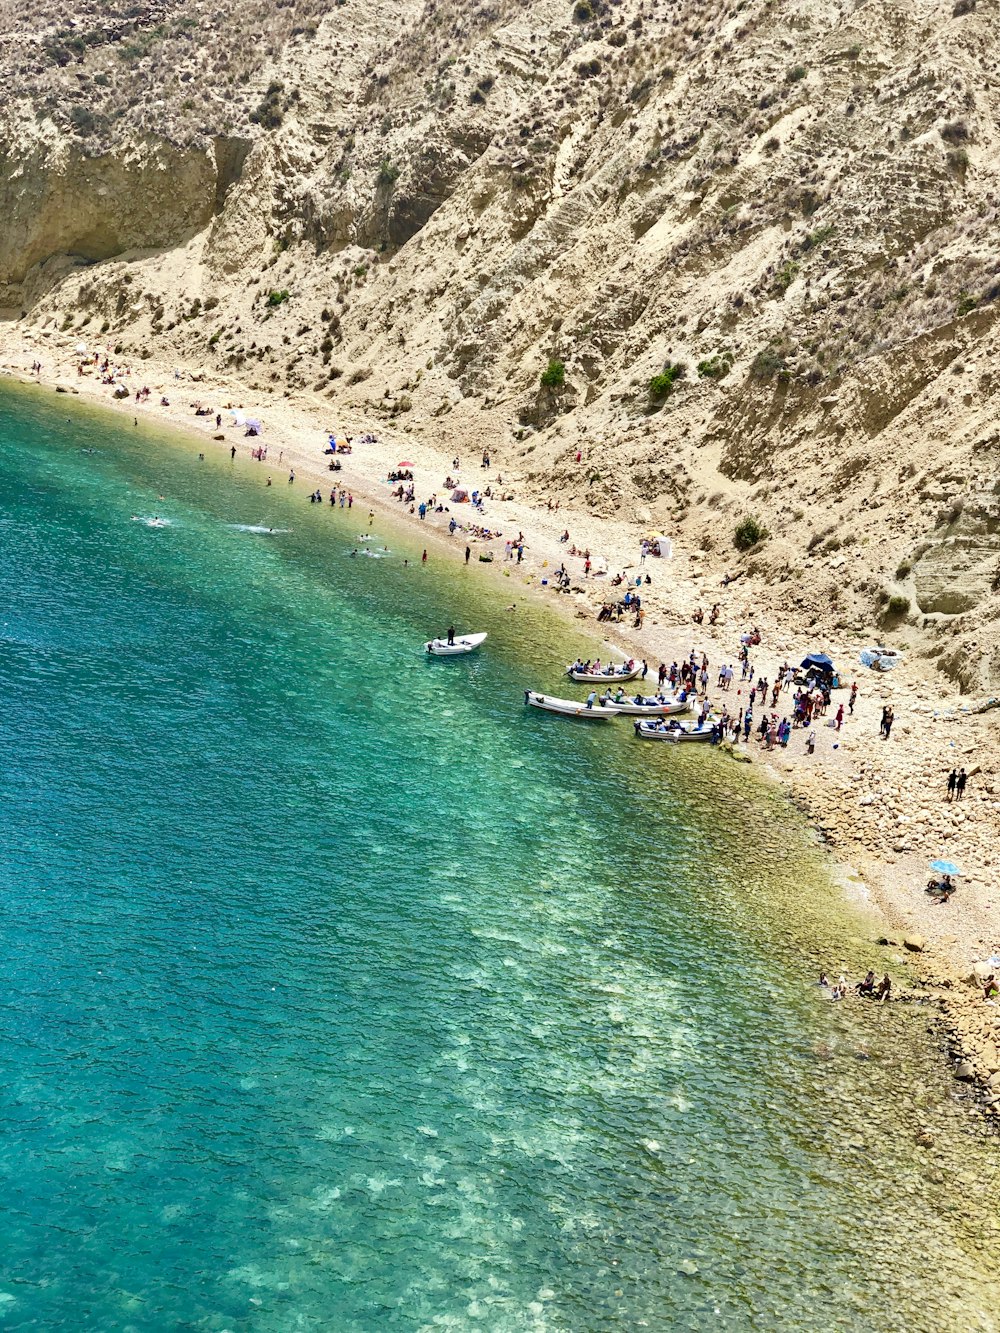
(965, 1071)
(915, 943)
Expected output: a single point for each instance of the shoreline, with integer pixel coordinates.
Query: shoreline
(858, 793)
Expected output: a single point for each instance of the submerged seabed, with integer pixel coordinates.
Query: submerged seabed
(339, 993)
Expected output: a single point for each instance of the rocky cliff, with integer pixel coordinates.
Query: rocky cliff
(751, 250)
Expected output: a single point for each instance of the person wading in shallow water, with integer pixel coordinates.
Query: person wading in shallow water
(468, 552)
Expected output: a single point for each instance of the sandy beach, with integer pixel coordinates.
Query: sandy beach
(880, 805)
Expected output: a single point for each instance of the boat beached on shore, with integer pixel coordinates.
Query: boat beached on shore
(598, 712)
(677, 732)
(649, 706)
(614, 675)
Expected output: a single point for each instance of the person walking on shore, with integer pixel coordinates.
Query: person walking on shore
(952, 783)
(423, 558)
(960, 782)
(840, 717)
(890, 718)
(468, 552)
(853, 698)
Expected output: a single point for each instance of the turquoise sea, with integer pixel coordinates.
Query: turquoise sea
(338, 992)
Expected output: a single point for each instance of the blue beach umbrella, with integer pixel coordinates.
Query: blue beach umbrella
(945, 868)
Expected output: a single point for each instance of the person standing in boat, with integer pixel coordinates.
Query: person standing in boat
(451, 636)
(591, 697)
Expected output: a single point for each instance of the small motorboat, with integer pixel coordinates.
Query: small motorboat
(649, 706)
(673, 731)
(571, 707)
(464, 643)
(606, 675)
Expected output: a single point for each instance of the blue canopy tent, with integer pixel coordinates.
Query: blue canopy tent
(818, 666)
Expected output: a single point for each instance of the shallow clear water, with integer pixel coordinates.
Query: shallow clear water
(339, 992)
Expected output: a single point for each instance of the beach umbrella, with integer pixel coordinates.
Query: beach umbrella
(946, 868)
(406, 463)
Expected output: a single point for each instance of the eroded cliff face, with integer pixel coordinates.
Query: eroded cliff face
(57, 201)
(761, 241)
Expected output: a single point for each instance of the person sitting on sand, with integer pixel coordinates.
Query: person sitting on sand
(867, 987)
(884, 988)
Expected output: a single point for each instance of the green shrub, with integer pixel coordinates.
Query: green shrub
(897, 605)
(750, 531)
(215, 338)
(554, 375)
(784, 277)
(662, 385)
(269, 112)
(276, 298)
(388, 172)
(966, 303)
(716, 367)
(83, 119)
(903, 568)
(768, 362)
(818, 237)
(795, 74)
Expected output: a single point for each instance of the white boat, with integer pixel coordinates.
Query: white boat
(464, 643)
(650, 706)
(607, 675)
(571, 707)
(676, 732)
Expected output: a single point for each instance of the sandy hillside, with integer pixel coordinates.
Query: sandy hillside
(757, 247)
